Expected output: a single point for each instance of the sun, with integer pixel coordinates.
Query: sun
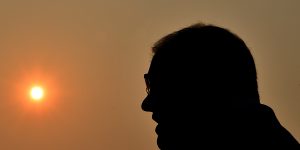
(37, 93)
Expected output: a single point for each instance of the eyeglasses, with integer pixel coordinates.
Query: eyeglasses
(147, 81)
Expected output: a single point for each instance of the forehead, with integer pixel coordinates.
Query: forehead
(157, 67)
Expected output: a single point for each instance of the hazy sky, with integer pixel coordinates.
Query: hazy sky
(90, 56)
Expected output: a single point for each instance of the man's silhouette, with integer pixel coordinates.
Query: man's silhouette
(202, 90)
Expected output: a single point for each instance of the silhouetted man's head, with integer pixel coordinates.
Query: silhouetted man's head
(194, 71)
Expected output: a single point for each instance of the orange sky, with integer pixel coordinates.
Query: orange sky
(91, 57)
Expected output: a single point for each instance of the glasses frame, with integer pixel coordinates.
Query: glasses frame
(147, 81)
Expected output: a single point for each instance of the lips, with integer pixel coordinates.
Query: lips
(155, 118)
(157, 129)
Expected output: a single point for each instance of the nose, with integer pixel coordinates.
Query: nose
(147, 104)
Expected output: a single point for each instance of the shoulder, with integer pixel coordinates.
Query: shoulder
(280, 134)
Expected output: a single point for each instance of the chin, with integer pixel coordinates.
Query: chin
(162, 143)
(169, 141)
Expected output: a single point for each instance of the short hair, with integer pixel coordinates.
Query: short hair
(211, 50)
